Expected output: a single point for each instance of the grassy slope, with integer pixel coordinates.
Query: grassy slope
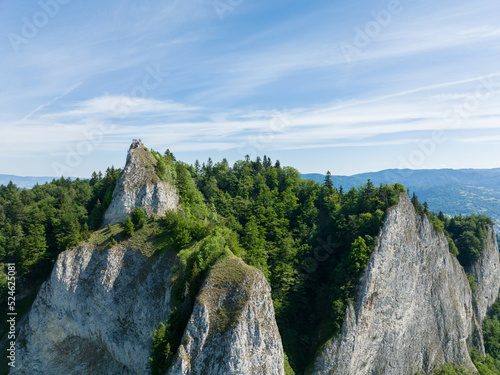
(225, 282)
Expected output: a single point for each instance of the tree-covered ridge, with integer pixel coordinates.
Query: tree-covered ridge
(455, 192)
(37, 224)
(311, 240)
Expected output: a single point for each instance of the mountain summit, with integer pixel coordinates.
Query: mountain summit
(139, 185)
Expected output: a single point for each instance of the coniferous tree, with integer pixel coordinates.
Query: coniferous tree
(169, 154)
(139, 217)
(328, 182)
(197, 167)
(128, 227)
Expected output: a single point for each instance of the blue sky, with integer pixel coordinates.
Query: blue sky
(321, 85)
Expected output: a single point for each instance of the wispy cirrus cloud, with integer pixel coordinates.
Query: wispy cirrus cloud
(117, 106)
(370, 121)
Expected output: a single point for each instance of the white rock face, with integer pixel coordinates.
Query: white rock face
(232, 329)
(96, 313)
(486, 270)
(414, 309)
(140, 186)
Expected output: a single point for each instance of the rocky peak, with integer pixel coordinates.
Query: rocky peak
(232, 329)
(136, 143)
(140, 186)
(415, 308)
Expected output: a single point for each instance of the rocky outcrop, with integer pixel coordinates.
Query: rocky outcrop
(96, 313)
(232, 329)
(414, 308)
(140, 186)
(486, 270)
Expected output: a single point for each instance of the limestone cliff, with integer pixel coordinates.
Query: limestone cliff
(96, 313)
(415, 307)
(486, 270)
(99, 308)
(140, 186)
(232, 329)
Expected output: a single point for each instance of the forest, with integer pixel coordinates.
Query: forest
(311, 240)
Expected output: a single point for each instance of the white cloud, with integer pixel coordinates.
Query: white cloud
(351, 124)
(116, 106)
(487, 139)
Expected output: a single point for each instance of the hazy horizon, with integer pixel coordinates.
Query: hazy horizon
(302, 173)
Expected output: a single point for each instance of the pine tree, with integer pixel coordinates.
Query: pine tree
(359, 255)
(86, 233)
(267, 162)
(94, 179)
(169, 154)
(197, 167)
(258, 164)
(418, 206)
(210, 165)
(139, 217)
(34, 247)
(328, 182)
(128, 227)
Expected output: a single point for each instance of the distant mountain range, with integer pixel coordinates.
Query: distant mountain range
(23, 182)
(453, 191)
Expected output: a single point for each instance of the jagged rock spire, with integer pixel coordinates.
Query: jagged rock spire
(415, 308)
(140, 186)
